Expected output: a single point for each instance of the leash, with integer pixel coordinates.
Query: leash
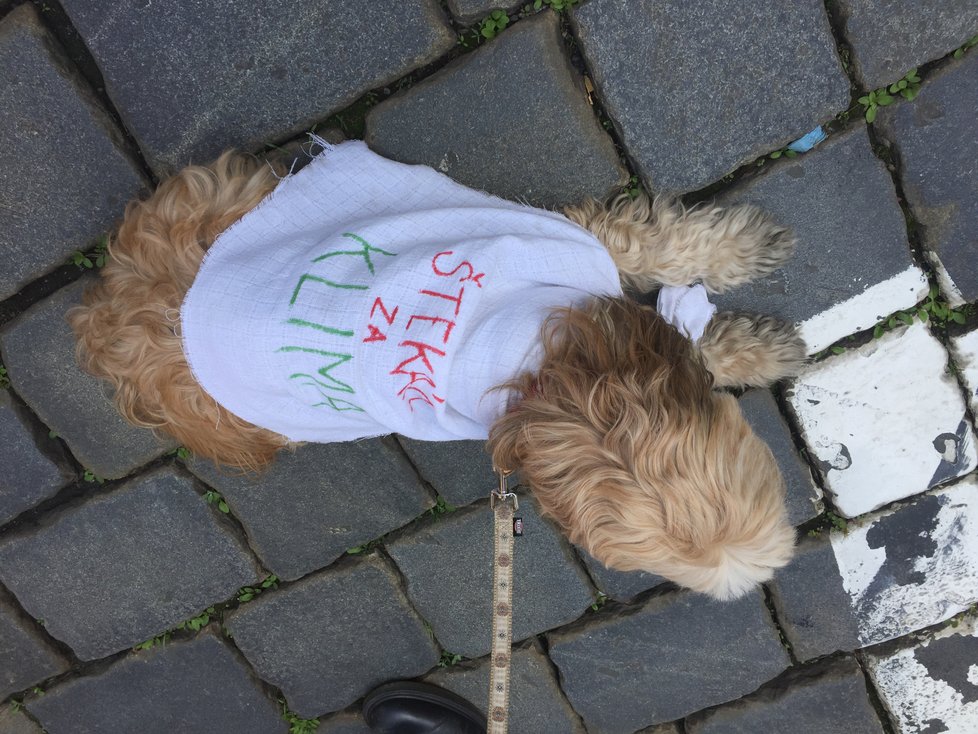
(504, 504)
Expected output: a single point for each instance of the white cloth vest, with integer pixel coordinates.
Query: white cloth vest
(365, 297)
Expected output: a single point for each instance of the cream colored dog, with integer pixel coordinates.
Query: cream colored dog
(619, 431)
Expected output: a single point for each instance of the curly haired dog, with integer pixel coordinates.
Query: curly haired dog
(615, 424)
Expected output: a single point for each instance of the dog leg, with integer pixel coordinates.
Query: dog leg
(661, 242)
(751, 351)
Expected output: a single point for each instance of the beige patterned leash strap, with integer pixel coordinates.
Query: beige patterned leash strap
(504, 504)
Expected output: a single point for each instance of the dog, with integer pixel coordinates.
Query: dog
(611, 415)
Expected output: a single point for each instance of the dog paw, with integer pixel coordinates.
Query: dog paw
(751, 351)
(749, 245)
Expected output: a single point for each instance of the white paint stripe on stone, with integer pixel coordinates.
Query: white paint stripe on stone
(948, 286)
(879, 419)
(921, 700)
(913, 567)
(965, 351)
(864, 310)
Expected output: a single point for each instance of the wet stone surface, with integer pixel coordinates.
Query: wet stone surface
(63, 178)
(543, 146)
(692, 102)
(159, 554)
(189, 686)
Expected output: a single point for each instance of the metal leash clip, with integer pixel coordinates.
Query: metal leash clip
(504, 492)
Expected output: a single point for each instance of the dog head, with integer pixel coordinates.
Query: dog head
(628, 447)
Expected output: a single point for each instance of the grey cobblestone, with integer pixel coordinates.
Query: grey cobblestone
(448, 567)
(460, 471)
(347, 722)
(34, 467)
(691, 100)
(308, 508)
(674, 655)
(153, 548)
(63, 179)
(27, 657)
(761, 411)
(840, 202)
(883, 576)
(39, 352)
(197, 686)
(248, 72)
(330, 638)
(469, 11)
(620, 585)
(890, 37)
(936, 138)
(543, 146)
(829, 698)
(16, 722)
(536, 705)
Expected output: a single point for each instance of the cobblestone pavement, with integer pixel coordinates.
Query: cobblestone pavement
(143, 591)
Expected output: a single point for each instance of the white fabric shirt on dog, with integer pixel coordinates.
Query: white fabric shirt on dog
(365, 297)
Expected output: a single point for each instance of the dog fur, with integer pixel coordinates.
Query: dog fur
(620, 434)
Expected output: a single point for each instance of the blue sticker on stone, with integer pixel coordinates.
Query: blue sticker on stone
(809, 141)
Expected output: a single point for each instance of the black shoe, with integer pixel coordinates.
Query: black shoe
(405, 707)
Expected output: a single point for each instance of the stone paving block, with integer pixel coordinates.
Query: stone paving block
(34, 467)
(884, 421)
(448, 567)
(931, 686)
(125, 565)
(469, 11)
(691, 100)
(39, 352)
(829, 698)
(308, 508)
(890, 37)
(510, 118)
(460, 471)
(198, 685)
(852, 265)
(26, 657)
(16, 722)
(620, 585)
(661, 729)
(964, 348)
(936, 137)
(347, 722)
(536, 704)
(329, 639)
(676, 654)
(63, 179)
(887, 575)
(812, 604)
(804, 499)
(246, 72)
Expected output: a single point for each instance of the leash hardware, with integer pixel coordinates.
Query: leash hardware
(504, 493)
